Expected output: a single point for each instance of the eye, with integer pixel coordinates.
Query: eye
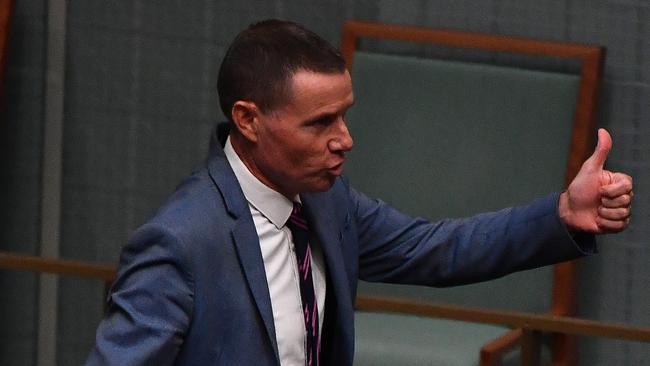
(323, 121)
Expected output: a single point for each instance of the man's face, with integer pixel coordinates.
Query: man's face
(301, 146)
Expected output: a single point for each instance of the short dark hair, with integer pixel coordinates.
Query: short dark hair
(261, 61)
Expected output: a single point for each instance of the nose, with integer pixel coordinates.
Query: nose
(342, 141)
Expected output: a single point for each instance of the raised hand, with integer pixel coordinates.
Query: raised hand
(597, 201)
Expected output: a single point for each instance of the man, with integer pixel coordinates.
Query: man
(254, 260)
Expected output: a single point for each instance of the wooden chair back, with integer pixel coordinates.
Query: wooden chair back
(397, 146)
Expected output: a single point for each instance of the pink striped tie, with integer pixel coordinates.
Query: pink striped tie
(300, 231)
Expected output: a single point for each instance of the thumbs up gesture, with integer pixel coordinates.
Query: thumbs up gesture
(597, 201)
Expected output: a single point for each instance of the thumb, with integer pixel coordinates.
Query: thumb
(597, 159)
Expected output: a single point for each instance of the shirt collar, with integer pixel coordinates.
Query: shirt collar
(272, 204)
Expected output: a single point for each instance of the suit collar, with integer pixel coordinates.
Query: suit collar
(223, 176)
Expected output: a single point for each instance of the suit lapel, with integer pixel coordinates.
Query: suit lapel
(244, 237)
(322, 216)
(250, 257)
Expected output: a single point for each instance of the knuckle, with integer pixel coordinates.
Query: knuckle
(627, 199)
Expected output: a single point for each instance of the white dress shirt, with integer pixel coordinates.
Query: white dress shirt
(270, 211)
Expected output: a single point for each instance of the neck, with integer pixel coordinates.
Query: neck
(244, 149)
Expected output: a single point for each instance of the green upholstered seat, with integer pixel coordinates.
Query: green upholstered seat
(419, 341)
(447, 139)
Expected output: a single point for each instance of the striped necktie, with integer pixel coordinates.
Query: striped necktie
(300, 231)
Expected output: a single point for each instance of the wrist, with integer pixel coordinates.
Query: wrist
(564, 211)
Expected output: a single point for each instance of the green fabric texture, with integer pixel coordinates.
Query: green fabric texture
(449, 139)
(421, 341)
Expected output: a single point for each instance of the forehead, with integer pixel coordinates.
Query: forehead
(313, 90)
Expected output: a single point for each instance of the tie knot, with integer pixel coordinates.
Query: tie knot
(297, 208)
(296, 218)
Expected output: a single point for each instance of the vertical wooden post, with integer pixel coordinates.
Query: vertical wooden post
(530, 347)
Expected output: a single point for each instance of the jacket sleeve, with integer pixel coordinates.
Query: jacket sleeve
(396, 248)
(150, 304)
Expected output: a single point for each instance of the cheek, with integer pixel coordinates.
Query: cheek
(311, 157)
(289, 161)
(296, 154)
(305, 154)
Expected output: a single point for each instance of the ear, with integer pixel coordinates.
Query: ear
(246, 115)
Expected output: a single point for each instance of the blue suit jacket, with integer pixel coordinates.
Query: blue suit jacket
(191, 287)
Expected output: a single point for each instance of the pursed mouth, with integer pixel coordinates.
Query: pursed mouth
(337, 169)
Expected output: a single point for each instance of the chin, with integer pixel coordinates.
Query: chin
(322, 185)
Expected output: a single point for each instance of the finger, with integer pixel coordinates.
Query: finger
(612, 226)
(616, 177)
(614, 213)
(616, 189)
(597, 159)
(620, 201)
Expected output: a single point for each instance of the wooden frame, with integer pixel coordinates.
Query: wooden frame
(511, 319)
(105, 273)
(528, 326)
(591, 62)
(5, 14)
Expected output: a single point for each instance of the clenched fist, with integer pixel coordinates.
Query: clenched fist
(597, 201)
